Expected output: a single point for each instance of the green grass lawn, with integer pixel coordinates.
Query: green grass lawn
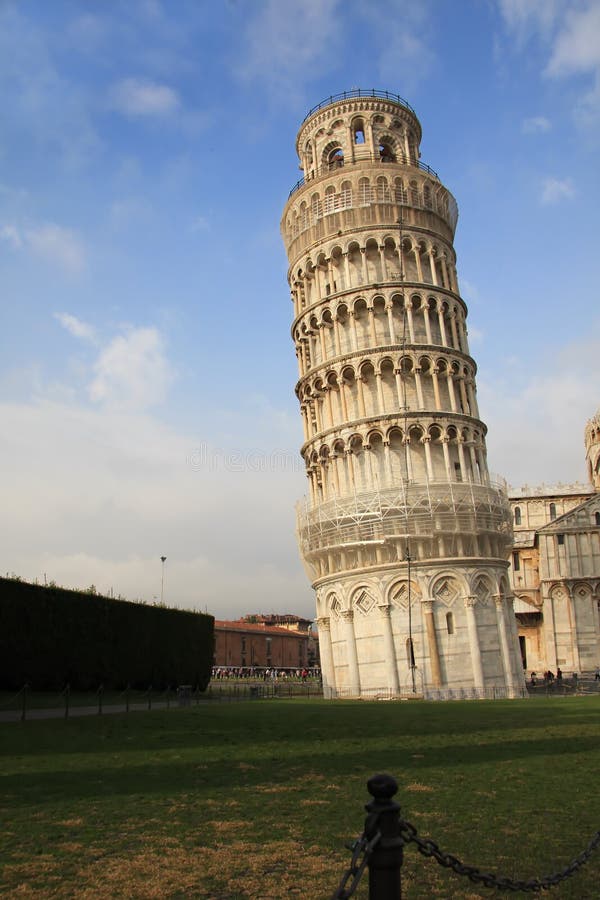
(256, 800)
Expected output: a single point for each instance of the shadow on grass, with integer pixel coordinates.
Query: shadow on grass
(294, 721)
(235, 771)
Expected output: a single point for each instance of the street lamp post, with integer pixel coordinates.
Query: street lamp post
(163, 559)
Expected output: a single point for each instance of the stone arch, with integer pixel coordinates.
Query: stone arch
(316, 206)
(380, 321)
(334, 605)
(345, 201)
(359, 462)
(443, 372)
(436, 452)
(398, 591)
(365, 191)
(344, 330)
(417, 453)
(357, 127)
(448, 588)
(397, 452)
(377, 449)
(367, 375)
(387, 148)
(373, 262)
(408, 261)
(382, 187)
(388, 385)
(361, 321)
(400, 192)
(559, 593)
(363, 598)
(418, 317)
(332, 155)
(481, 587)
(355, 264)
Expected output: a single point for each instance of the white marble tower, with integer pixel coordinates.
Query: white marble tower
(403, 533)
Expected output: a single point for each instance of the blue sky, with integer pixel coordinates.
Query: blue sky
(146, 368)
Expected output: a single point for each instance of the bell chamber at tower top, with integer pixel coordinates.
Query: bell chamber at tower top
(360, 156)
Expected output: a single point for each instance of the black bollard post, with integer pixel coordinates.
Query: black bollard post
(100, 692)
(385, 862)
(67, 698)
(24, 702)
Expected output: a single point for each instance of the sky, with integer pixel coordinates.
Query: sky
(146, 367)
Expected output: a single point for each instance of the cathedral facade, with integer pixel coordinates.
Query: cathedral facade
(555, 569)
(404, 533)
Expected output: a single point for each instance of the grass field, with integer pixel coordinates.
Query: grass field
(256, 800)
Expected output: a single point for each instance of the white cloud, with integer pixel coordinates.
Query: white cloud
(59, 246)
(53, 243)
(407, 28)
(10, 234)
(536, 125)
(577, 46)
(287, 44)
(526, 16)
(570, 34)
(536, 421)
(129, 211)
(200, 223)
(555, 189)
(87, 31)
(138, 97)
(75, 326)
(132, 371)
(111, 491)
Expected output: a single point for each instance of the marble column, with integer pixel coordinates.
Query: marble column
(475, 649)
(389, 649)
(504, 644)
(326, 653)
(434, 653)
(351, 654)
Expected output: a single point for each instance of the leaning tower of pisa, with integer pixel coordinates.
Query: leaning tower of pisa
(404, 535)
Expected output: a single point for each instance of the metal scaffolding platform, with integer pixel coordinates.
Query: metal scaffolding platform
(406, 511)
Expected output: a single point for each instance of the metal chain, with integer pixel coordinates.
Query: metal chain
(429, 848)
(362, 846)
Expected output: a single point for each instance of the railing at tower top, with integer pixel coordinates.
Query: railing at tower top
(367, 157)
(358, 92)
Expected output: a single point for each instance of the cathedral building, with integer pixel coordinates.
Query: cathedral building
(555, 569)
(404, 533)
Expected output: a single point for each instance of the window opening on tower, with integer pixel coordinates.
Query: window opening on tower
(359, 132)
(336, 158)
(386, 154)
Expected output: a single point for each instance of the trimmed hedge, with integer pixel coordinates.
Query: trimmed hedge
(50, 636)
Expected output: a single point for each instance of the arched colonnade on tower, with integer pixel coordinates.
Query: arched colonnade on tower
(378, 319)
(373, 458)
(378, 261)
(381, 384)
(373, 135)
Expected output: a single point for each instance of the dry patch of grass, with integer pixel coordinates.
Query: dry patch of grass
(234, 870)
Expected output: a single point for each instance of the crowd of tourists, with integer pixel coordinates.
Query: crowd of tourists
(266, 673)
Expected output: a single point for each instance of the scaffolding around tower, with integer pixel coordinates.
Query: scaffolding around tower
(406, 511)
